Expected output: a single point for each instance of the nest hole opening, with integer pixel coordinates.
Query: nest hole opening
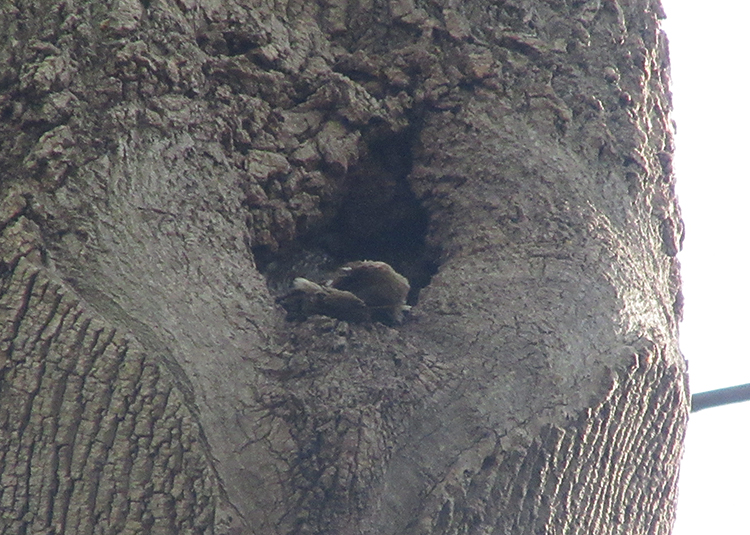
(378, 218)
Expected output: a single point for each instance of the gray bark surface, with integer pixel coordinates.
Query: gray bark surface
(168, 166)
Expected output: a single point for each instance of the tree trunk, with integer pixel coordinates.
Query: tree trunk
(168, 167)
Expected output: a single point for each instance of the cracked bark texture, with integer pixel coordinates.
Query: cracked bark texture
(151, 151)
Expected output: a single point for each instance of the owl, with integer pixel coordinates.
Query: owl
(358, 291)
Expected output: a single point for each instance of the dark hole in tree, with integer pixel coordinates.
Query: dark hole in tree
(238, 44)
(379, 218)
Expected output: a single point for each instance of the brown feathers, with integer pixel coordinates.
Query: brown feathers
(358, 291)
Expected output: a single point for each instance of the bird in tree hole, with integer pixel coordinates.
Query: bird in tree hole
(360, 291)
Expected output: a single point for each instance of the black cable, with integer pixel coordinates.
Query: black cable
(723, 396)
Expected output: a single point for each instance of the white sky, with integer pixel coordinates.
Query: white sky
(711, 74)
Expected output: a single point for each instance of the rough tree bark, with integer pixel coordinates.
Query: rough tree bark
(169, 165)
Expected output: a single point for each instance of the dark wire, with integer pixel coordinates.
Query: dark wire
(723, 396)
